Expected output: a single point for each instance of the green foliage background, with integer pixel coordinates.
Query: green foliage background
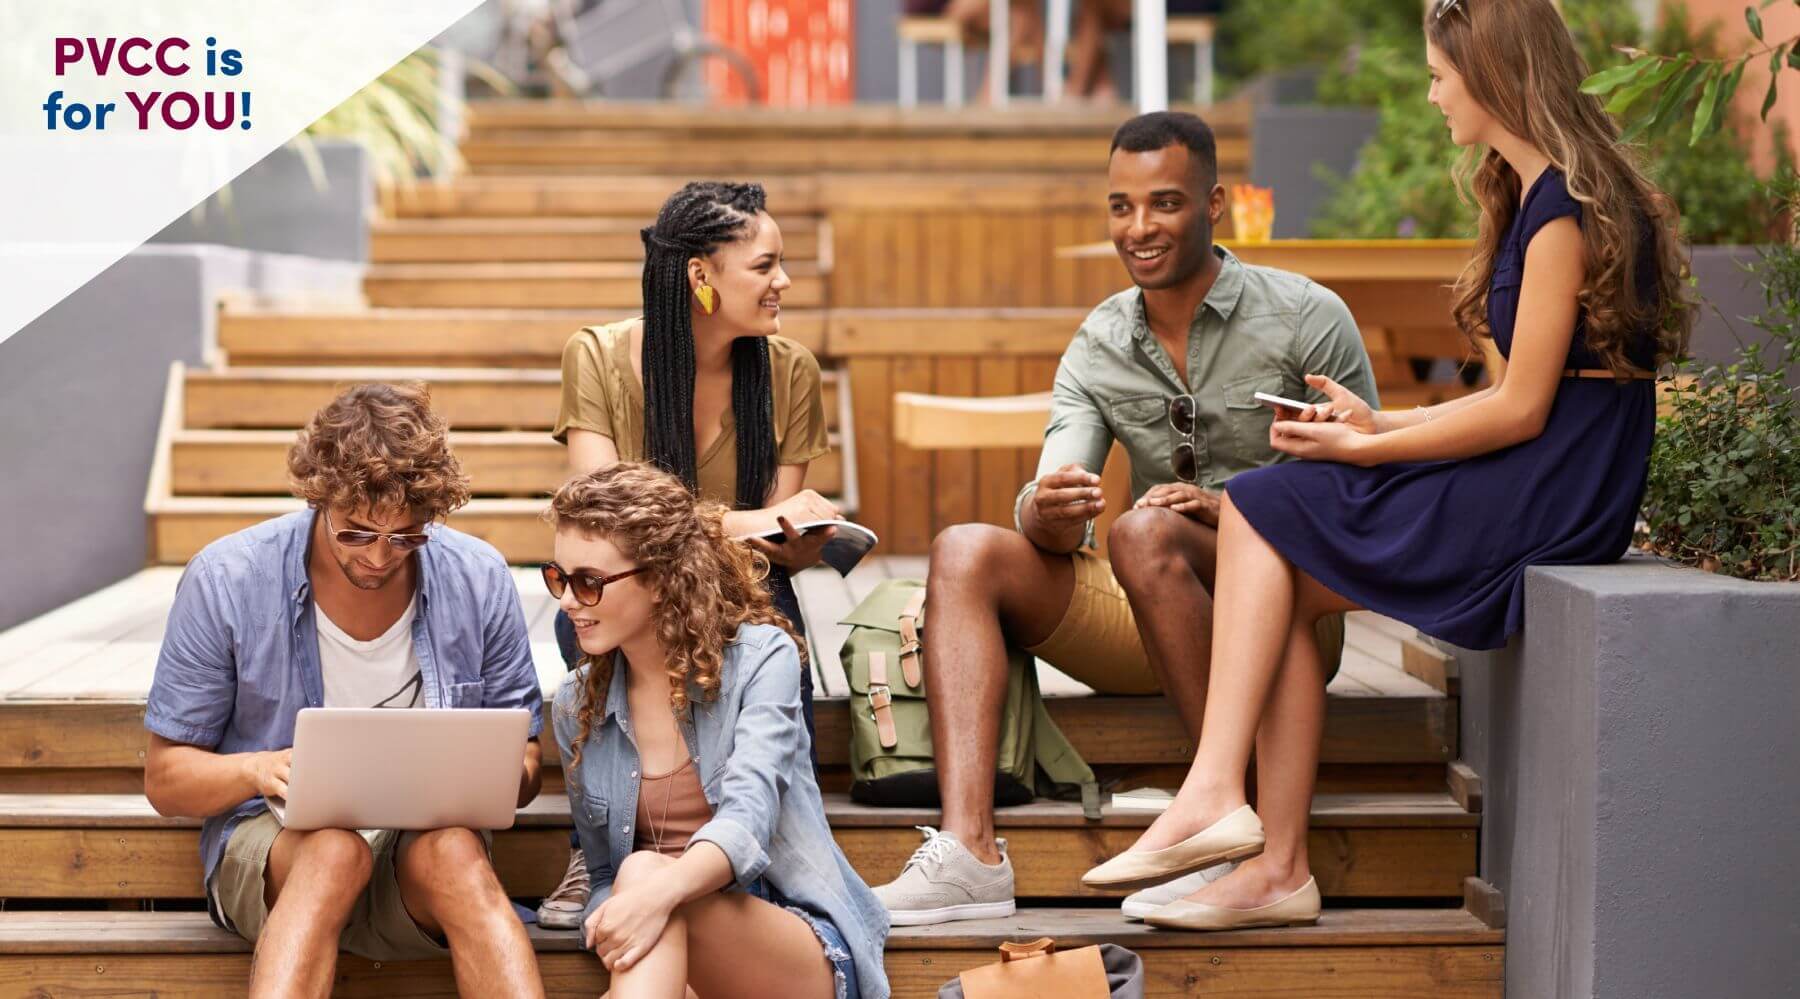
(1372, 55)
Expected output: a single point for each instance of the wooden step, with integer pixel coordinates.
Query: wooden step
(1362, 846)
(632, 198)
(493, 338)
(540, 285)
(479, 240)
(593, 151)
(1349, 954)
(676, 122)
(504, 463)
(1360, 728)
(640, 197)
(470, 398)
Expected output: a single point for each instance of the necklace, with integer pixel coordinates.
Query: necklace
(661, 825)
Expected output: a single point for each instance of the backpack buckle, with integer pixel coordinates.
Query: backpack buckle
(880, 698)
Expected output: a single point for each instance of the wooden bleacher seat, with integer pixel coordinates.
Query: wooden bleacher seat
(933, 422)
(1393, 953)
(75, 830)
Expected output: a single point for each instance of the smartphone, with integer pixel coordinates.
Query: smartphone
(1275, 400)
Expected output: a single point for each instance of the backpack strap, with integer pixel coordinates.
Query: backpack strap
(881, 701)
(909, 639)
(1057, 757)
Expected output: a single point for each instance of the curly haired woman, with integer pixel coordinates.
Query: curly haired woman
(1433, 516)
(709, 858)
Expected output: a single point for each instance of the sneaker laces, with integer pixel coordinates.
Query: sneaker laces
(574, 885)
(938, 848)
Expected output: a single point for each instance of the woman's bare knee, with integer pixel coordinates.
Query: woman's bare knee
(639, 866)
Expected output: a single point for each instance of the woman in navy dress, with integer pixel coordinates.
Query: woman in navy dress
(1432, 516)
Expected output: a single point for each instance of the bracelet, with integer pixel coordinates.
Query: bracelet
(1426, 410)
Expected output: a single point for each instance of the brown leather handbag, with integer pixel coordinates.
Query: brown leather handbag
(1037, 970)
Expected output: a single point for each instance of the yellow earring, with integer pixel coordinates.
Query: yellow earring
(708, 302)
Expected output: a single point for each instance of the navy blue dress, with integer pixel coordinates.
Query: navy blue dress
(1443, 545)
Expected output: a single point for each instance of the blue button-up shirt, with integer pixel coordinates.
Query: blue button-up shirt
(750, 752)
(240, 656)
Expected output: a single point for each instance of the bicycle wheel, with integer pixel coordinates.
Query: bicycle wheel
(685, 77)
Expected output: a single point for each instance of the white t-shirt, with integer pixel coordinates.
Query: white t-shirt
(379, 673)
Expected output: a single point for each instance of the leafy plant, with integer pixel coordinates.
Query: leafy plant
(1261, 36)
(399, 118)
(1679, 76)
(1401, 186)
(1724, 488)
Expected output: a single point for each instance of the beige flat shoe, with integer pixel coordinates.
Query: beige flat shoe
(1299, 909)
(1233, 837)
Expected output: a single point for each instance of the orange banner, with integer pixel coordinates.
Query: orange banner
(802, 50)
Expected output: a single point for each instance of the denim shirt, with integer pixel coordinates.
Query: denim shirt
(1259, 329)
(240, 656)
(748, 747)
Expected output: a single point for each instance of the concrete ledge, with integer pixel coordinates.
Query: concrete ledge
(1638, 744)
(277, 206)
(80, 393)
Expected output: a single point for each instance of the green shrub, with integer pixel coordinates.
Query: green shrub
(1264, 36)
(1724, 489)
(1401, 186)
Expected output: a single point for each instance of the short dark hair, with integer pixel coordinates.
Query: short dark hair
(1162, 129)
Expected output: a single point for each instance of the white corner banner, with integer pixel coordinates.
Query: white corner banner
(117, 116)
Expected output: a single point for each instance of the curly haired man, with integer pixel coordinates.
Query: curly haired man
(363, 599)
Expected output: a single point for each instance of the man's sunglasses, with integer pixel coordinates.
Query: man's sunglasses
(1182, 412)
(588, 587)
(363, 539)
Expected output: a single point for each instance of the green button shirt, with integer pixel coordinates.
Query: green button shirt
(1259, 330)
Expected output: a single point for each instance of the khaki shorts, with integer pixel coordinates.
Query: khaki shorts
(1097, 641)
(379, 929)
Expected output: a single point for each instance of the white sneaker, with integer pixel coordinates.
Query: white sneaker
(1144, 901)
(562, 909)
(943, 881)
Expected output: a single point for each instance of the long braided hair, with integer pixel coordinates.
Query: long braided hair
(694, 222)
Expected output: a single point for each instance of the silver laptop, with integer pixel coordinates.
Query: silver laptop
(427, 768)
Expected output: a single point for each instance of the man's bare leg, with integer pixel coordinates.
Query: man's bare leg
(1165, 563)
(311, 882)
(988, 586)
(450, 890)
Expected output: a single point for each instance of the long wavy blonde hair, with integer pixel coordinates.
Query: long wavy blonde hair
(1519, 63)
(704, 585)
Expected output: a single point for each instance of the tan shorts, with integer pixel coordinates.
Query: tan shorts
(1097, 641)
(379, 929)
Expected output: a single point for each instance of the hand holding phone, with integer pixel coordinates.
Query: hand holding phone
(1281, 402)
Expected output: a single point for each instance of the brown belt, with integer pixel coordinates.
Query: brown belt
(1606, 373)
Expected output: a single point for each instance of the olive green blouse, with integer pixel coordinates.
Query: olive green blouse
(602, 393)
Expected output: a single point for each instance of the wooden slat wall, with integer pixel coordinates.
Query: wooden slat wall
(960, 258)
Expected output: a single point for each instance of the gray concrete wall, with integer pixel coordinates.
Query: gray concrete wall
(1637, 743)
(1288, 146)
(1730, 295)
(81, 392)
(277, 206)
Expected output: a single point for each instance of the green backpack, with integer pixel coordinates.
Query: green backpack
(891, 761)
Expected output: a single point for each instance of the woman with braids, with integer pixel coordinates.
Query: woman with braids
(1433, 516)
(703, 387)
(711, 865)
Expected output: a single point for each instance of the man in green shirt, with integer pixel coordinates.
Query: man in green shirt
(1169, 369)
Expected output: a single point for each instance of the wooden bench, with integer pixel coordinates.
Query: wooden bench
(1364, 845)
(1392, 953)
(805, 240)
